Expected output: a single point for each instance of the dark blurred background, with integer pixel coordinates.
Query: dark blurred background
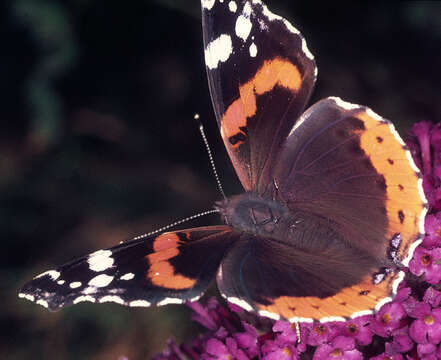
(98, 142)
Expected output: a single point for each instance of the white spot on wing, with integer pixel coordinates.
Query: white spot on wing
(111, 298)
(344, 104)
(423, 213)
(219, 50)
(26, 296)
(411, 162)
(75, 284)
(243, 27)
(53, 274)
(100, 260)
(42, 303)
(269, 315)
(128, 276)
(262, 24)
(101, 280)
(207, 4)
(377, 117)
(382, 302)
(412, 248)
(84, 298)
(331, 319)
(253, 50)
(89, 290)
(397, 282)
(273, 17)
(61, 282)
(361, 313)
(232, 6)
(306, 50)
(139, 303)
(167, 301)
(196, 298)
(239, 302)
(297, 124)
(297, 319)
(247, 9)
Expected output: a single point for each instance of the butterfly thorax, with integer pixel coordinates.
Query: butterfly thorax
(254, 214)
(269, 218)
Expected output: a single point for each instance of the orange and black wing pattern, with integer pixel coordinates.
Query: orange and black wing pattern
(347, 164)
(169, 268)
(260, 74)
(357, 212)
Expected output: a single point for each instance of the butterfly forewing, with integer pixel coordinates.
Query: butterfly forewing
(167, 268)
(260, 74)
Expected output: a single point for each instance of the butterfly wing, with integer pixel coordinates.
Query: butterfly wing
(357, 210)
(260, 74)
(349, 165)
(279, 280)
(169, 268)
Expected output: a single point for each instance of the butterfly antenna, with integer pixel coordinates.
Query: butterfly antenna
(210, 156)
(208, 212)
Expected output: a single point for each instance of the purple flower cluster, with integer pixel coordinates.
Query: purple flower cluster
(409, 327)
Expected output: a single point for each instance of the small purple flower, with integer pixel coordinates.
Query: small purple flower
(385, 356)
(274, 350)
(339, 348)
(285, 341)
(390, 353)
(402, 342)
(216, 349)
(248, 340)
(422, 132)
(432, 297)
(433, 231)
(321, 333)
(285, 331)
(430, 186)
(358, 329)
(390, 317)
(435, 141)
(235, 308)
(403, 293)
(427, 351)
(427, 326)
(427, 262)
(202, 316)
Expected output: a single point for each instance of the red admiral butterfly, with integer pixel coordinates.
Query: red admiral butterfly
(333, 204)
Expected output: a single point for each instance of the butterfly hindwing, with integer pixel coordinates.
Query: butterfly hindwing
(303, 279)
(260, 74)
(168, 268)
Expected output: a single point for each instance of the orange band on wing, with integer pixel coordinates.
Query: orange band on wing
(276, 72)
(161, 272)
(360, 297)
(404, 204)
